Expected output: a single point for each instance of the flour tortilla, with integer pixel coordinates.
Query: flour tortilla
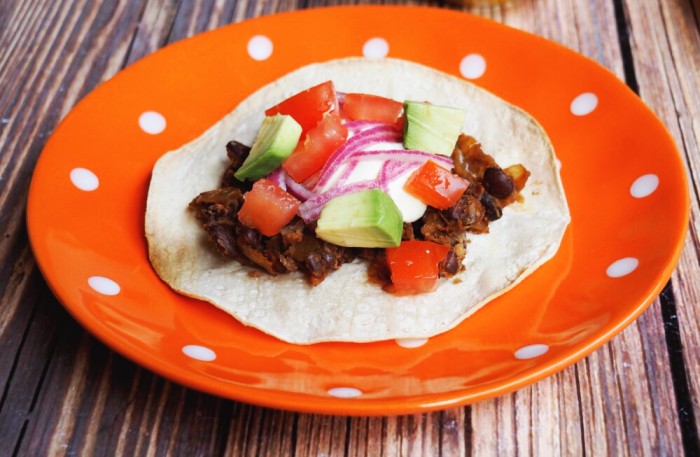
(346, 307)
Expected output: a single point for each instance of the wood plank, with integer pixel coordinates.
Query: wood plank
(320, 435)
(620, 400)
(668, 71)
(261, 431)
(27, 348)
(47, 67)
(412, 435)
(155, 21)
(553, 400)
(51, 429)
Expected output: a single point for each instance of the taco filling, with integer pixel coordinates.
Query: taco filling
(334, 177)
(406, 180)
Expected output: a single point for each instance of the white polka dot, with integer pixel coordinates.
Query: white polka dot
(411, 342)
(344, 392)
(196, 352)
(152, 122)
(375, 48)
(584, 104)
(260, 47)
(473, 66)
(84, 179)
(622, 267)
(644, 186)
(531, 351)
(103, 285)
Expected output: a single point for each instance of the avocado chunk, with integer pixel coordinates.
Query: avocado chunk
(364, 219)
(432, 128)
(275, 141)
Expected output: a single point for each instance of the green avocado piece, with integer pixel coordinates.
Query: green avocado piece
(275, 141)
(364, 219)
(432, 128)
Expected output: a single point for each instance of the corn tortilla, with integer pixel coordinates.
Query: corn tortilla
(345, 306)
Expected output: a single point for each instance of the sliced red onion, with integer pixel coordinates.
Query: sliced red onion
(278, 177)
(403, 155)
(298, 190)
(392, 170)
(355, 127)
(311, 208)
(366, 138)
(349, 167)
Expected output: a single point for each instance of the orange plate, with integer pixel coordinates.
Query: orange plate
(623, 176)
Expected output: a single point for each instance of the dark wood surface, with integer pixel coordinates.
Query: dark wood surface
(64, 393)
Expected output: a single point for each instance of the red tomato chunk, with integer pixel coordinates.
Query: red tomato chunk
(309, 106)
(365, 107)
(267, 207)
(414, 266)
(436, 186)
(312, 152)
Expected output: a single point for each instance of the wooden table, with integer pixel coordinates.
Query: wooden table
(63, 392)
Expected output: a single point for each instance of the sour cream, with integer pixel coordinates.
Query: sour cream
(411, 208)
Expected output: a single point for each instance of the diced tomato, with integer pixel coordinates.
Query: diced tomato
(414, 266)
(312, 152)
(436, 186)
(309, 106)
(366, 107)
(267, 207)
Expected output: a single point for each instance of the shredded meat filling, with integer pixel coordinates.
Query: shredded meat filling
(296, 248)
(237, 153)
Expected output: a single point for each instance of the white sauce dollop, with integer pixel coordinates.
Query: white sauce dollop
(411, 208)
(364, 170)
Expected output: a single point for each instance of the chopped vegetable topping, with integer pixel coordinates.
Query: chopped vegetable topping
(368, 219)
(435, 186)
(414, 266)
(276, 139)
(345, 165)
(309, 106)
(267, 207)
(365, 107)
(312, 152)
(432, 128)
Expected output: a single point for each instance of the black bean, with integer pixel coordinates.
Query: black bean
(492, 210)
(328, 258)
(314, 264)
(450, 266)
(498, 183)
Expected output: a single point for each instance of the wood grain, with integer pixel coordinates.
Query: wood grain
(679, 40)
(63, 392)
